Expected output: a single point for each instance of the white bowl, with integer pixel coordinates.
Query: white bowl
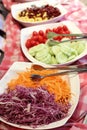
(26, 33)
(15, 9)
(75, 90)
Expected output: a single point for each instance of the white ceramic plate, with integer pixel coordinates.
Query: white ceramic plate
(26, 33)
(15, 9)
(75, 89)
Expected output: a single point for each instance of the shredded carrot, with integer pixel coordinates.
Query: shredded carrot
(56, 85)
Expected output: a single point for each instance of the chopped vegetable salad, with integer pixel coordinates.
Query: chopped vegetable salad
(34, 103)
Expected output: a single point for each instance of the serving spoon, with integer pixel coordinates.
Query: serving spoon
(63, 67)
(64, 72)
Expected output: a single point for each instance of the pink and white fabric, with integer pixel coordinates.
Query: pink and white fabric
(77, 14)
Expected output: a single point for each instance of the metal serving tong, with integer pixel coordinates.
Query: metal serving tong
(77, 36)
(65, 70)
(63, 67)
(51, 35)
(80, 35)
(74, 34)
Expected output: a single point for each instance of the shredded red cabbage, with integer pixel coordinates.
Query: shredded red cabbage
(33, 107)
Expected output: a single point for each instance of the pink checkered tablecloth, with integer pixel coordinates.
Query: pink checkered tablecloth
(77, 14)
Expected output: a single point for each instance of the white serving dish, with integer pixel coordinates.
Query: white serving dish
(26, 33)
(15, 9)
(75, 90)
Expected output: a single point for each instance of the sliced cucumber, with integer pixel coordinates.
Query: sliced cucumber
(59, 53)
(55, 49)
(47, 59)
(67, 49)
(71, 57)
(81, 48)
(54, 61)
(41, 54)
(61, 58)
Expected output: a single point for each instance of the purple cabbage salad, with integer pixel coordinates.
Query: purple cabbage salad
(31, 107)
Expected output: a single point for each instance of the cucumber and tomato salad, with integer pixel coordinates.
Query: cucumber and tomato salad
(40, 46)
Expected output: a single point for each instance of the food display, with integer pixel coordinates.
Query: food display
(31, 111)
(37, 104)
(34, 103)
(42, 98)
(57, 54)
(38, 14)
(44, 46)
